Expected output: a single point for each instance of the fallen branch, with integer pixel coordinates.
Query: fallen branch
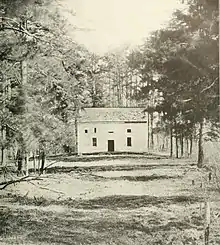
(48, 189)
(4, 184)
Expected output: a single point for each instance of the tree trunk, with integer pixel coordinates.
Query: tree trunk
(187, 147)
(34, 162)
(166, 143)
(43, 162)
(171, 141)
(76, 134)
(19, 159)
(177, 147)
(191, 145)
(176, 140)
(39, 159)
(26, 161)
(3, 148)
(152, 133)
(182, 145)
(148, 130)
(24, 78)
(200, 147)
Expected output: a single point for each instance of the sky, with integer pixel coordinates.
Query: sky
(113, 23)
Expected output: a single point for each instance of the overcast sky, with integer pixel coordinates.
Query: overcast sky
(118, 22)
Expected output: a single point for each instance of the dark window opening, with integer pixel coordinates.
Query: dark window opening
(110, 132)
(94, 130)
(128, 141)
(128, 130)
(94, 141)
(86, 131)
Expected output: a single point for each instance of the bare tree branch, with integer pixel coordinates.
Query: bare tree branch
(184, 59)
(18, 30)
(23, 179)
(210, 86)
(48, 189)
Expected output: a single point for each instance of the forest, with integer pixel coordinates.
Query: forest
(47, 78)
(49, 194)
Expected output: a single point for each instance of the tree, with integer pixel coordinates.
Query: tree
(27, 37)
(183, 57)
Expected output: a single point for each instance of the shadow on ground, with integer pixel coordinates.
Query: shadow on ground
(63, 169)
(77, 226)
(108, 202)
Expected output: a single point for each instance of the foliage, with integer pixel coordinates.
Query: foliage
(181, 62)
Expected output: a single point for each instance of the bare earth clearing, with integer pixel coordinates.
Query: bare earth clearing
(119, 201)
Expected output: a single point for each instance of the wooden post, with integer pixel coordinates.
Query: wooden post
(207, 222)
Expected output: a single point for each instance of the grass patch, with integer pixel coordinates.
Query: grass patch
(108, 202)
(63, 169)
(80, 227)
(145, 178)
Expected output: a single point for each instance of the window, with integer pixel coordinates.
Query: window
(94, 141)
(94, 130)
(110, 132)
(128, 141)
(128, 130)
(86, 131)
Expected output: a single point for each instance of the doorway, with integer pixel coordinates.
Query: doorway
(111, 145)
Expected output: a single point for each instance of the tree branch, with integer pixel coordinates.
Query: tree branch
(210, 86)
(184, 59)
(11, 182)
(48, 189)
(18, 30)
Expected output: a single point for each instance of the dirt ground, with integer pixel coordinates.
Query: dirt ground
(110, 201)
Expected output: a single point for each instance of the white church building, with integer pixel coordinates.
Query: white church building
(112, 130)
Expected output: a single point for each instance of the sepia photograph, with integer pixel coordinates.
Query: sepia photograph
(109, 122)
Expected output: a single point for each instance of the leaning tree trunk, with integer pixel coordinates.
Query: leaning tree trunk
(200, 146)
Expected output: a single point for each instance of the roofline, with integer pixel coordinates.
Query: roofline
(123, 107)
(121, 121)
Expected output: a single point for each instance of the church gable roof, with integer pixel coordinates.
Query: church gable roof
(112, 115)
